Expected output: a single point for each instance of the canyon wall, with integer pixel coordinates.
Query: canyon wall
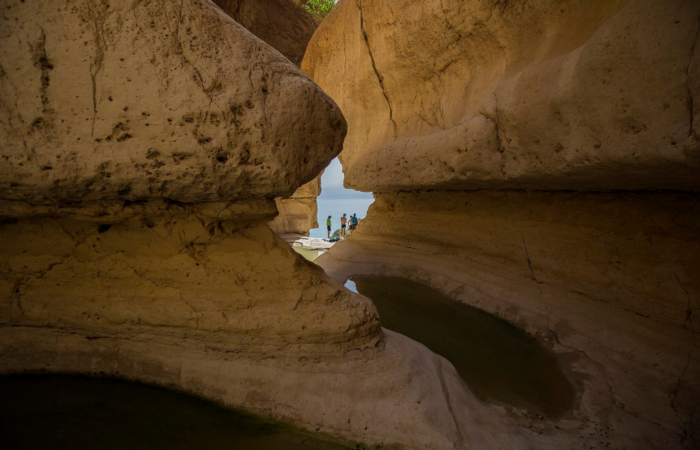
(286, 27)
(539, 161)
(142, 147)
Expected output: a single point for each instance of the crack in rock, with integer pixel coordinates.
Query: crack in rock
(374, 66)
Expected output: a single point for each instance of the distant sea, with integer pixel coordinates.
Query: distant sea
(335, 207)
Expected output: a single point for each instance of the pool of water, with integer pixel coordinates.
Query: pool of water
(499, 362)
(71, 412)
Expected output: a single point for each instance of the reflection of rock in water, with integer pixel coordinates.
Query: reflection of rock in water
(79, 412)
(499, 362)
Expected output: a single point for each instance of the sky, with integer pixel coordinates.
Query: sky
(332, 183)
(333, 176)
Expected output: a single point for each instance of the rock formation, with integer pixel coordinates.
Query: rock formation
(544, 95)
(299, 213)
(540, 161)
(146, 160)
(283, 24)
(287, 27)
(142, 148)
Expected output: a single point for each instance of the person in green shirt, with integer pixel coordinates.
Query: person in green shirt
(328, 225)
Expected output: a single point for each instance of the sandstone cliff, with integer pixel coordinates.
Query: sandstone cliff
(454, 108)
(141, 153)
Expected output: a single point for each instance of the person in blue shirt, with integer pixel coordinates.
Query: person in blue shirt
(353, 222)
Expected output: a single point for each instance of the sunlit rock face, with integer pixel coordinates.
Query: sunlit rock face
(540, 95)
(151, 137)
(538, 161)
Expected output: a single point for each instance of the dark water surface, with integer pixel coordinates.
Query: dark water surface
(499, 362)
(71, 412)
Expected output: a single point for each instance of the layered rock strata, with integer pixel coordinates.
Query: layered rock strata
(142, 148)
(455, 108)
(151, 156)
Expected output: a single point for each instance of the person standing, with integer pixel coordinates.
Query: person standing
(328, 225)
(353, 222)
(343, 225)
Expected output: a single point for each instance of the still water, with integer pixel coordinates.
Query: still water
(72, 412)
(498, 362)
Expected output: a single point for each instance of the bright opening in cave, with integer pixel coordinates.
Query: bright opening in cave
(336, 200)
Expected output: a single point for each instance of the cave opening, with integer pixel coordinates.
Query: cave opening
(312, 220)
(336, 200)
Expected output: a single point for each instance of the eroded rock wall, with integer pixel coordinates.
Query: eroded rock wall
(212, 272)
(454, 108)
(179, 103)
(142, 147)
(139, 168)
(583, 95)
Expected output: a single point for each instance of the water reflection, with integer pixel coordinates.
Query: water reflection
(499, 362)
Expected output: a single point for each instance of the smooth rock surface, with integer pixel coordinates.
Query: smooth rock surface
(608, 280)
(583, 95)
(402, 396)
(455, 107)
